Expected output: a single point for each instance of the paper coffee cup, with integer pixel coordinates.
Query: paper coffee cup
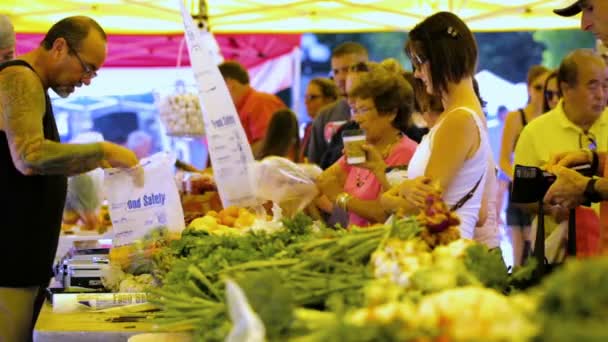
(352, 147)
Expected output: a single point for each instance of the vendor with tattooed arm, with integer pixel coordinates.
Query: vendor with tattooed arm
(34, 165)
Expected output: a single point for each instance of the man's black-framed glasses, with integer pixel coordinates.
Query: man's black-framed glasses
(587, 140)
(88, 71)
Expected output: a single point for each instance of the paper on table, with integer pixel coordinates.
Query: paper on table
(229, 149)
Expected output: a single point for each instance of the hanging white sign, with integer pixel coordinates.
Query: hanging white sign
(229, 149)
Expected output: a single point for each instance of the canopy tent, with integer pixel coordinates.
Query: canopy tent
(287, 16)
(167, 50)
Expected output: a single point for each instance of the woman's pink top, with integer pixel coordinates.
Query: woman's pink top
(362, 184)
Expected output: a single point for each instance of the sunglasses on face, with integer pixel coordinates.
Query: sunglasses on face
(551, 94)
(359, 67)
(417, 61)
(587, 140)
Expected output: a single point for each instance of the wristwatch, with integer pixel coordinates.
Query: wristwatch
(590, 193)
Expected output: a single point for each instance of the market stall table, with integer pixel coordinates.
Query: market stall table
(84, 326)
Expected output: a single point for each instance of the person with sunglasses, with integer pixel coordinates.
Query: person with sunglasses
(578, 122)
(34, 164)
(551, 92)
(518, 221)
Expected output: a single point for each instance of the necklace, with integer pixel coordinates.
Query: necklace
(362, 175)
(359, 181)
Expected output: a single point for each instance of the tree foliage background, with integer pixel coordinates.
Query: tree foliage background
(506, 54)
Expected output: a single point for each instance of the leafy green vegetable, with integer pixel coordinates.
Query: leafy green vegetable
(488, 266)
(270, 299)
(300, 224)
(573, 303)
(579, 290)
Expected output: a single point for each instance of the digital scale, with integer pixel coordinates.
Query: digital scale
(82, 268)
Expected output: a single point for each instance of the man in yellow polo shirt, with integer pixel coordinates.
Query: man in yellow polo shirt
(580, 120)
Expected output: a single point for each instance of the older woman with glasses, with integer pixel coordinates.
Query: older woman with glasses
(381, 103)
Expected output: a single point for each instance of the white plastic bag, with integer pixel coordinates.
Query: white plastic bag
(556, 236)
(247, 325)
(284, 182)
(181, 115)
(135, 210)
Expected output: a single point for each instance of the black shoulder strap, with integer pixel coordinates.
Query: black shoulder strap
(524, 122)
(16, 62)
(467, 197)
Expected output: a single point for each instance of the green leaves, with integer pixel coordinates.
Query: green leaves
(487, 266)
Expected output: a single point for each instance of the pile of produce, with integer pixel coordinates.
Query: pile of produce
(411, 280)
(310, 271)
(572, 303)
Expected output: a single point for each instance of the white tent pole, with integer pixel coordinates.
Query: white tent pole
(297, 79)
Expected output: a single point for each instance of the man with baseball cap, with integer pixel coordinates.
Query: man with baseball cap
(594, 19)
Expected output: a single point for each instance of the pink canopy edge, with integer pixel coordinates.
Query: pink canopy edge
(250, 50)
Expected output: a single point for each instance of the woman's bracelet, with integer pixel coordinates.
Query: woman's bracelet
(342, 200)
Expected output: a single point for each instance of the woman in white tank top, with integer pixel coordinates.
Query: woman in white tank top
(456, 154)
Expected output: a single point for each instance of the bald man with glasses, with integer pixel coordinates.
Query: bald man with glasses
(570, 188)
(578, 122)
(34, 164)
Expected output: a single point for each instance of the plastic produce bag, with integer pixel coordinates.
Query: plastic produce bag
(144, 218)
(181, 115)
(284, 182)
(246, 325)
(85, 191)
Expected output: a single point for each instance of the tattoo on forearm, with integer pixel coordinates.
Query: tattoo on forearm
(22, 107)
(48, 157)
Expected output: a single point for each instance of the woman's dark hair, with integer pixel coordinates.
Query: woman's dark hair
(423, 101)
(74, 30)
(282, 134)
(390, 92)
(328, 87)
(446, 42)
(535, 72)
(552, 75)
(482, 103)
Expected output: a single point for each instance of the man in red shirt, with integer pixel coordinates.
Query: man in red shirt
(255, 108)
